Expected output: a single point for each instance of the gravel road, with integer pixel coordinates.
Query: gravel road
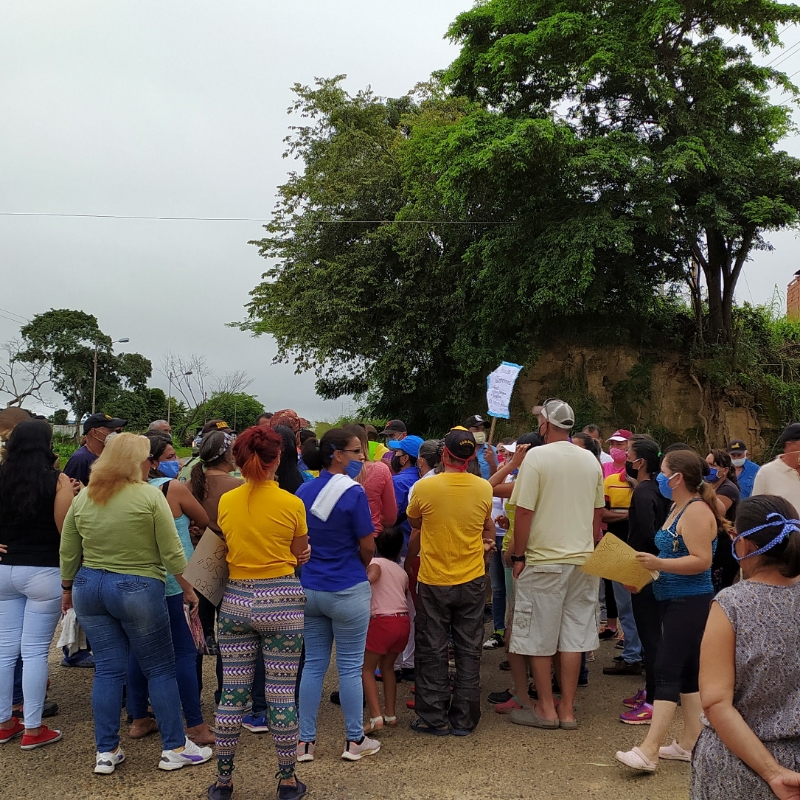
(499, 760)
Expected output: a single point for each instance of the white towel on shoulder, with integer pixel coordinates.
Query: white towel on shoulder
(72, 635)
(330, 496)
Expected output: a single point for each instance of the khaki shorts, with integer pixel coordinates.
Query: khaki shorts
(555, 610)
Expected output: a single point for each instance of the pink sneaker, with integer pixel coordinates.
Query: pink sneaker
(508, 706)
(635, 701)
(643, 715)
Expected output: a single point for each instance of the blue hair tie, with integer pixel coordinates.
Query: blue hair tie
(787, 526)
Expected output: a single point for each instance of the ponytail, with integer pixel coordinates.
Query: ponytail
(319, 454)
(709, 497)
(197, 482)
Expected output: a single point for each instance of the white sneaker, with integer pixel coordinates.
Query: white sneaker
(305, 751)
(107, 762)
(189, 756)
(354, 751)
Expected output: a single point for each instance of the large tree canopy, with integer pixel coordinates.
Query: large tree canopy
(578, 157)
(66, 341)
(657, 84)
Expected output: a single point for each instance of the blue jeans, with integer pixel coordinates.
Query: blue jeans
(121, 613)
(343, 616)
(30, 605)
(185, 669)
(632, 651)
(497, 575)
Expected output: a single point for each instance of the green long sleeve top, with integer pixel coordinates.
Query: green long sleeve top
(132, 534)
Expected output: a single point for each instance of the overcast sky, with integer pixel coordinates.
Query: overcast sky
(179, 109)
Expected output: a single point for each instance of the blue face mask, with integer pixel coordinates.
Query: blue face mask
(169, 468)
(712, 475)
(663, 486)
(353, 468)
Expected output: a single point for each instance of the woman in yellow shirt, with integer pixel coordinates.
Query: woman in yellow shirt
(265, 530)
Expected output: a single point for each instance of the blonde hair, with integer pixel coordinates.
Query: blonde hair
(119, 465)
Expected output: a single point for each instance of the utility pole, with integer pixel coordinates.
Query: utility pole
(94, 376)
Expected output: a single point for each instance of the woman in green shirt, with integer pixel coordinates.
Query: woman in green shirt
(118, 543)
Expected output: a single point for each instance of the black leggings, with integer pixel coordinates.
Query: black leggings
(683, 622)
(648, 625)
(611, 603)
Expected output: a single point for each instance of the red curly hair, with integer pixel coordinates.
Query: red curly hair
(256, 451)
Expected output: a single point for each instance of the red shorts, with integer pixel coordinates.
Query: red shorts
(388, 634)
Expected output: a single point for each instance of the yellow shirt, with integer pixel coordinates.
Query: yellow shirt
(259, 524)
(453, 507)
(377, 451)
(618, 491)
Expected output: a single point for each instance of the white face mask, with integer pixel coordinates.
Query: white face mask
(480, 438)
(738, 462)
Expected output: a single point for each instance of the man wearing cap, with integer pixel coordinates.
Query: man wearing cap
(394, 431)
(746, 470)
(782, 476)
(96, 429)
(486, 453)
(559, 501)
(451, 515)
(404, 475)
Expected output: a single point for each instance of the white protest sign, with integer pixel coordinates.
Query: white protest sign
(207, 570)
(499, 386)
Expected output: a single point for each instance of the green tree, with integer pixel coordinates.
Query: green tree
(66, 340)
(676, 135)
(60, 417)
(238, 409)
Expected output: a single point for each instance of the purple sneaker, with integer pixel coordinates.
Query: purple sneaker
(635, 701)
(643, 715)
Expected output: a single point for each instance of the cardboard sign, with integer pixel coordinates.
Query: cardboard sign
(499, 386)
(207, 570)
(616, 560)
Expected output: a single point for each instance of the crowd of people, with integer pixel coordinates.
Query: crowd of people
(388, 546)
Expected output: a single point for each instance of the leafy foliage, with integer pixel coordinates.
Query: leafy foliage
(577, 165)
(66, 341)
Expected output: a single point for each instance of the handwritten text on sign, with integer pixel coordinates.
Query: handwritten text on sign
(499, 386)
(207, 570)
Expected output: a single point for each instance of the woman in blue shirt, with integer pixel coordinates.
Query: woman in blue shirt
(337, 590)
(683, 594)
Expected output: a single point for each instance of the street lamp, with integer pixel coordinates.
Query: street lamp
(94, 377)
(169, 398)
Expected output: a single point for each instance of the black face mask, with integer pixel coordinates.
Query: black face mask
(631, 471)
(396, 465)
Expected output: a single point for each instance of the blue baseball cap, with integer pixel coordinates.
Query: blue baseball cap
(410, 445)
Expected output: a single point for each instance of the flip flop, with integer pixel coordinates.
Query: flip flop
(420, 726)
(568, 724)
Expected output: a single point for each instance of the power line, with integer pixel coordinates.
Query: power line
(247, 219)
(10, 319)
(14, 314)
(782, 56)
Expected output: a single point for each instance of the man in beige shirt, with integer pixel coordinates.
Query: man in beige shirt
(559, 498)
(782, 476)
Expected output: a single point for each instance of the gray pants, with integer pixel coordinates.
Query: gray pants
(442, 611)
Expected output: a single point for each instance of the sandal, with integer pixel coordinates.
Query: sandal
(675, 753)
(390, 722)
(420, 726)
(375, 724)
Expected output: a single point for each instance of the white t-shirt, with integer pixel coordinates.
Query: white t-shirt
(780, 479)
(605, 458)
(563, 485)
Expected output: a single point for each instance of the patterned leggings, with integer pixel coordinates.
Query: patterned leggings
(269, 612)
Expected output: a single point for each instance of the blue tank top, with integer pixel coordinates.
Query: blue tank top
(670, 544)
(182, 524)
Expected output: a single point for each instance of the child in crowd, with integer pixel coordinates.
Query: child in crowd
(389, 626)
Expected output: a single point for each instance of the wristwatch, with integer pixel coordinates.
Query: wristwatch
(517, 559)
